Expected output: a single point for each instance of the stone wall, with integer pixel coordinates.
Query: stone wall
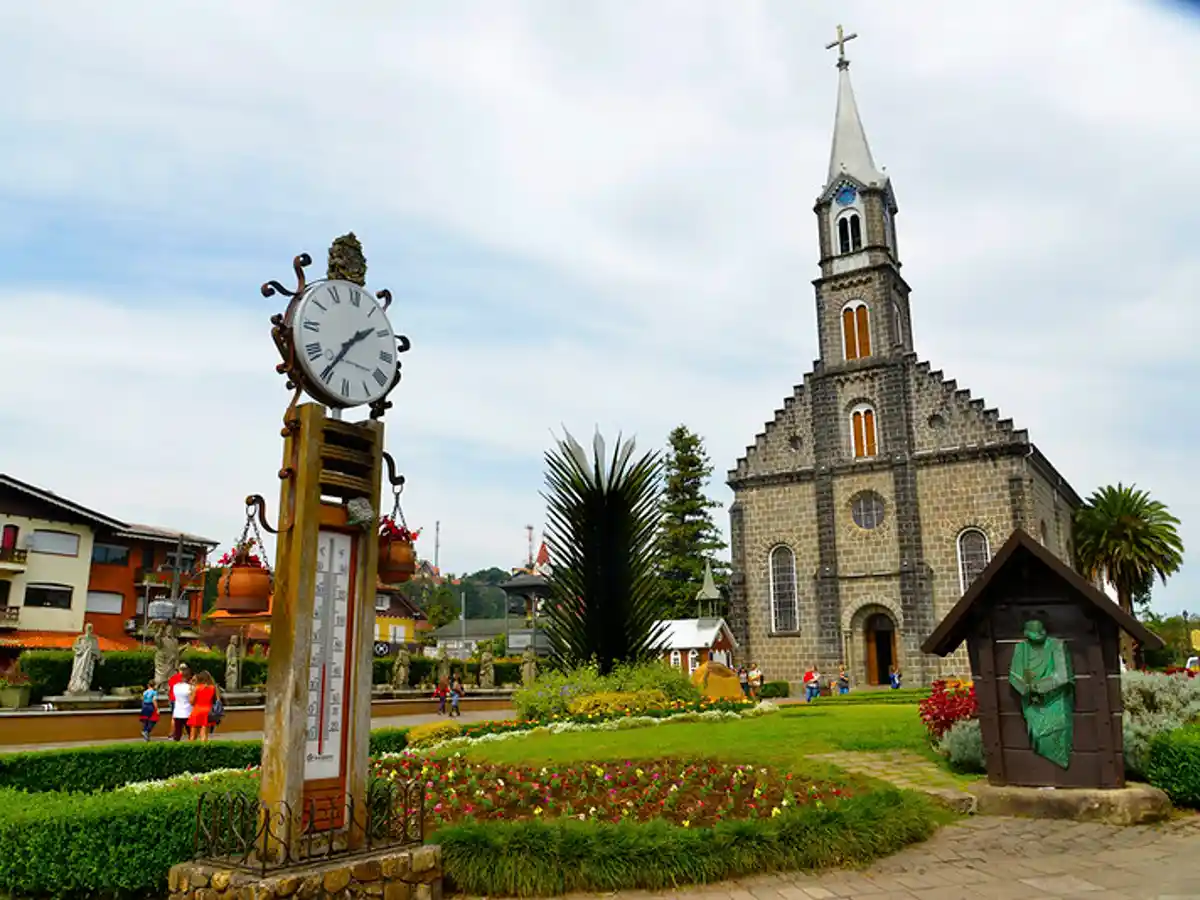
(412, 874)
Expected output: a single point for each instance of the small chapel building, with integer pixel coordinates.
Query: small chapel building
(880, 490)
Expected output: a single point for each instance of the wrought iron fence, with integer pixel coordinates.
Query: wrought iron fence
(241, 832)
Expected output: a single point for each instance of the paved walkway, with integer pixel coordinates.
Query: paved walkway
(905, 770)
(484, 715)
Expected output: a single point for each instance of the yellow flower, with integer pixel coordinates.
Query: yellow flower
(775, 812)
(686, 823)
(538, 811)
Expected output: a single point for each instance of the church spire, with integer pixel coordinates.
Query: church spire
(850, 154)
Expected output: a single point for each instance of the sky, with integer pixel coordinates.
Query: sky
(590, 215)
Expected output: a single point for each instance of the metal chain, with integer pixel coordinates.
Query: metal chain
(262, 548)
(397, 512)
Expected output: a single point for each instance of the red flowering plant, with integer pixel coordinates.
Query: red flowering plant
(948, 702)
(391, 530)
(243, 554)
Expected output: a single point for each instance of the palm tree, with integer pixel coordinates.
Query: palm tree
(1126, 538)
(603, 517)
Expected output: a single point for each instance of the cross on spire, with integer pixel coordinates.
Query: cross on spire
(840, 43)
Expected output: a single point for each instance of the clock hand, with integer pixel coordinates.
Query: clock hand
(341, 354)
(357, 366)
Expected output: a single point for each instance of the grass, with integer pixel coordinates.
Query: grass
(784, 740)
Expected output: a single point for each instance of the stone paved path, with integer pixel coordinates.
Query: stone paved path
(905, 770)
(992, 858)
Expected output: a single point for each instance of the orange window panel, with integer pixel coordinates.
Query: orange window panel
(859, 445)
(848, 334)
(862, 322)
(869, 431)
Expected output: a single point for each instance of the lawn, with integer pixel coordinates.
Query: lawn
(783, 740)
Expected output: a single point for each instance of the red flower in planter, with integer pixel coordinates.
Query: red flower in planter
(390, 529)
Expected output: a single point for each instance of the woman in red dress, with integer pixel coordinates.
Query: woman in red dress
(203, 695)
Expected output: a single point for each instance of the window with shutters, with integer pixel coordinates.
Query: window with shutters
(856, 330)
(49, 596)
(863, 437)
(784, 612)
(56, 543)
(974, 554)
(108, 602)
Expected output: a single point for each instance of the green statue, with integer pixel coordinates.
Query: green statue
(1041, 673)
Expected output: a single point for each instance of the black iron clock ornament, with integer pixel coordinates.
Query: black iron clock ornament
(337, 343)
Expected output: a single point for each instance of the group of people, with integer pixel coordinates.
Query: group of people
(197, 706)
(451, 690)
(751, 679)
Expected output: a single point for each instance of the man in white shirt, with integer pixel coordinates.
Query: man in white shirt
(181, 699)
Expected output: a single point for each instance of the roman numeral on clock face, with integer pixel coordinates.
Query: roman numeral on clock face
(333, 292)
(355, 298)
(366, 388)
(386, 357)
(314, 350)
(382, 332)
(345, 387)
(310, 325)
(379, 377)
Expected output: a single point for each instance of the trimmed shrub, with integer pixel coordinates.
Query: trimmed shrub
(1154, 704)
(653, 676)
(611, 703)
(774, 689)
(963, 746)
(553, 692)
(107, 767)
(432, 733)
(1173, 765)
(543, 858)
(50, 670)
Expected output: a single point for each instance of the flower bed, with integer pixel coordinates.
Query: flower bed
(948, 702)
(689, 794)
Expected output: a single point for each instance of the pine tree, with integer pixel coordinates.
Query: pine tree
(688, 535)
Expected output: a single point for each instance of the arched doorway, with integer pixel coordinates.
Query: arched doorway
(879, 635)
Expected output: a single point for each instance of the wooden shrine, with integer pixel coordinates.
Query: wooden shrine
(1026, 584)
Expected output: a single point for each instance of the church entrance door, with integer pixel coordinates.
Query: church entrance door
(880, 636)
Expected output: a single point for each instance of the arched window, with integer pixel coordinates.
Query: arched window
(862, 432)
(849, 228)
(973, 556)
(676, 659)
(784, 615)
(856, 330)
(693, 660)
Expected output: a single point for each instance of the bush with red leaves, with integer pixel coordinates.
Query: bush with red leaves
(947, 703)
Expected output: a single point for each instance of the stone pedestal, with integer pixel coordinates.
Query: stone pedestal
(410, 874)
(1134, 804)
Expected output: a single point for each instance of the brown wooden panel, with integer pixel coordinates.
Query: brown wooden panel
(1088, 730)
(989, 725)
(1025, 768)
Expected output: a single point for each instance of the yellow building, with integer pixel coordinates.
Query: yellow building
(397, 620)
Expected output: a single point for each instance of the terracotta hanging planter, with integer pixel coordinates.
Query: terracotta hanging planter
(245, 587)
(397, 556)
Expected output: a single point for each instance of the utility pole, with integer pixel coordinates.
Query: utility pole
(437, 544)
(463, 598)
(529, 533)
(175, 576)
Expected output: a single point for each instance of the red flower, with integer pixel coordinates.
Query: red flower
(388, 528)
(947, 704)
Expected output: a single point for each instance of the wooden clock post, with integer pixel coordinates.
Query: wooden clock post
(318, 709)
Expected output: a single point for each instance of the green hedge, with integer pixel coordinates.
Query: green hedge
(1173, 765)
(50, 670)
(424, 669)
(123, 844)
(775, 689)
(107, 767)
(544, 858)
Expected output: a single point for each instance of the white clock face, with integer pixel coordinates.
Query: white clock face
(344, 343)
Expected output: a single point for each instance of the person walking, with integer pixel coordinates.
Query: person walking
(744, 680)
(217, 713)
(149, 713)
(181, 704)
(895, 678)
(812, 685)
(843, 681)
(440, 693)
(204, 694)
(456, 692)
(756, 681)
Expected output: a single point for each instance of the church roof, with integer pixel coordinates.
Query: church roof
(850, 153)
(692, 634)
(1022, 549)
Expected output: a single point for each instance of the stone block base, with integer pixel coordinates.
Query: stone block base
(411, 874)
(1134, 804)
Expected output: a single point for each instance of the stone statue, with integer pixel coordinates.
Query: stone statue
(487, 669)
(233, 663)
(87, 653)
(166, 655)
(443, 665)
(528, 667)
(400, 669)
(1041, 673)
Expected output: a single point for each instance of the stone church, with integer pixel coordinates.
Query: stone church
(881, 488)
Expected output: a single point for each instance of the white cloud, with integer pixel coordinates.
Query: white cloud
(654, 171)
